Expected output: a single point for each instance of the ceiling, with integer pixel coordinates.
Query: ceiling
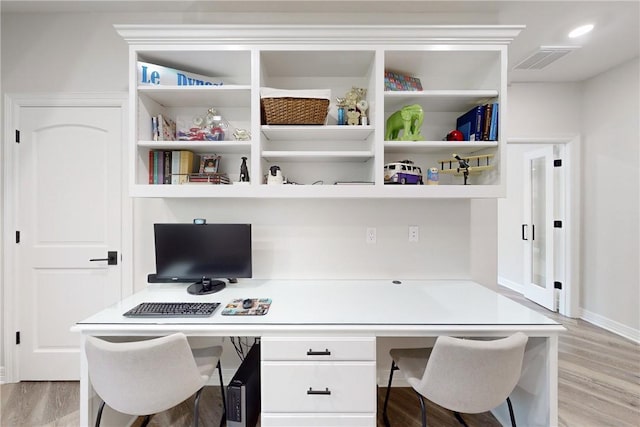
(614, 40)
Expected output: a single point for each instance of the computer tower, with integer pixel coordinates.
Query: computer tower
(243, 391)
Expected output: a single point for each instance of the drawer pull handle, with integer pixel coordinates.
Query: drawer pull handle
(326, 391)
(326, 352)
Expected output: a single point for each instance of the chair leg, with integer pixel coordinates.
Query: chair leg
(423, 409)
(460, 419)
(99, 417)
(223, 419)
(196, 408)
(511, 414)
(386, 398)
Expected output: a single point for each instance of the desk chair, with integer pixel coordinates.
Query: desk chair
(462, 375)
(150, 376)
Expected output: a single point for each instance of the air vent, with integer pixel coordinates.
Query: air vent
(544, 56)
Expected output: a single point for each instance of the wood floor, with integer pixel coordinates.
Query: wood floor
(599, 385)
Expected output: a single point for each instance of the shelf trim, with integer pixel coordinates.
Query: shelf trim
(211, 34)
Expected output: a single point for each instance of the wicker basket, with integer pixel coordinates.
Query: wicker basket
(294, 111)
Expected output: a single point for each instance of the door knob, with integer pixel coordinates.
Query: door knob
(112, 258)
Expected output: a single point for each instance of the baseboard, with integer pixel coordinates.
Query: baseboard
(517, 287)
(2, 379)
(610, 325)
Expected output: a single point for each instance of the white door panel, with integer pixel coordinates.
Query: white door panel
(69, 211)
(537, 233)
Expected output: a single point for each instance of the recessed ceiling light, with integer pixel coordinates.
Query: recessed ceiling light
(580, 31)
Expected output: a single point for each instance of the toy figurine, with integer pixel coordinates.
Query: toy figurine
(242, 135)
(244, 171)
(363, 105)
(341, 103)
(408, 119)
(353, 117)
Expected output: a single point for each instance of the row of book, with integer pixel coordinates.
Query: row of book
(480, 123)
(184, 167)
(163, 128)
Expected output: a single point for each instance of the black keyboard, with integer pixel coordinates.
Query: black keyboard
(173, 309)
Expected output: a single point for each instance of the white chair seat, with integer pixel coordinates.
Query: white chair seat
(411, 362)
(462, 375)
(149, 376)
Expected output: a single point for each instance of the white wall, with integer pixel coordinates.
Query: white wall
(604, 111)
(611, 199)
(536, 110)
(292, 238)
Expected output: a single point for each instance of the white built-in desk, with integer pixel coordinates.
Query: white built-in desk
(346, 317)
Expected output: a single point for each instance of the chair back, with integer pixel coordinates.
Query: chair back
(473, 376)
(143, 377)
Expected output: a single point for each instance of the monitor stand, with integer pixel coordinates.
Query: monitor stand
(206, 286)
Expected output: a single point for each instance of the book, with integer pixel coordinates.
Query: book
(402, 82)
(186, 165)
(155, 167)
(470, 123)
(486, 121)
(167, 167)
(153, 74)
(493, 129)
(175, 167)
(208, 178)
(166, 128)
(151, 167)
(160, 167)
(154, 128)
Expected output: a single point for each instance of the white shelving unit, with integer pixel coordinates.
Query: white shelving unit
(459, 67)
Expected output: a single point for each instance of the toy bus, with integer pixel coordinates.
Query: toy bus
(402, 172)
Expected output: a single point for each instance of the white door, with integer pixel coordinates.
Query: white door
(68, 212)
(537, 229)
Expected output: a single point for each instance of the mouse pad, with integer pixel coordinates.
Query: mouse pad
(260, 307)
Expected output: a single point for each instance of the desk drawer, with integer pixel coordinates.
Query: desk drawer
(318, 420)
(318, 387)
(321, 349)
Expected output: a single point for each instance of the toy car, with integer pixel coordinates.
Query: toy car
(402, 172)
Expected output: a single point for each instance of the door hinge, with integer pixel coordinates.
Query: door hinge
(17, 237)
(557, 285)
(557, 163)
(557, 224)
(17, 136)
(17, 337)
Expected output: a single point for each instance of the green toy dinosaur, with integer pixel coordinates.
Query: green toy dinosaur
(408, 119)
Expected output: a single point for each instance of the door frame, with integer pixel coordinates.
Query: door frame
(13, 102)
(569, 301)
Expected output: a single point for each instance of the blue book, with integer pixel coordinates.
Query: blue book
(470, 124)
(493, 130)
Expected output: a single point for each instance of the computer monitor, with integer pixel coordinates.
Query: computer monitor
(202, 254)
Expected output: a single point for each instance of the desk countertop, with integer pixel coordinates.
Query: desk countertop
(380, 307)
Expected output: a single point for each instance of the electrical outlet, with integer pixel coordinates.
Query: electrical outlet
(371, 235)
(414, 233)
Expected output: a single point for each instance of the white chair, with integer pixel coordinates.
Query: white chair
(462, 375)
(150, 376)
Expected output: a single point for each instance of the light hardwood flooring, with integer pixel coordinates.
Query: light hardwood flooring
(598, 386)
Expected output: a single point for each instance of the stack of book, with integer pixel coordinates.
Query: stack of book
(208, 178)
(480, 123)
(170, 167)
(163, 128)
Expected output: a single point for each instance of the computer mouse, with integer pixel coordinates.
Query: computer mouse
(247, 303)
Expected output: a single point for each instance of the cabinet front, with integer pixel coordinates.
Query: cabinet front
(318, 387)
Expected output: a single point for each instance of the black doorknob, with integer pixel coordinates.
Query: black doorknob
(112, 258)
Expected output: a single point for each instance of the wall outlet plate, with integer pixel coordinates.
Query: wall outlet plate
(414, 233)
